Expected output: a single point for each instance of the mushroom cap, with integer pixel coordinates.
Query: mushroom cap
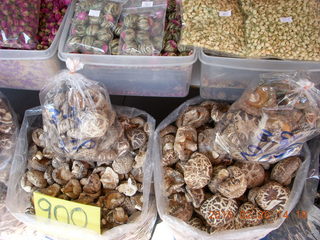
(252, 195)
(272, 195)
(128, 188)
(196, 196)
(254, 173)
(218, 210)
(185, 142)
(53, 190)
(249, 215)
(197, 171)
(123, 164)
(219, 110)
(72, 189)
(36, 178)
(137, 137)
(93, 184)
(194, 116)
(170, 129)
(179, 207)
(284, 171)
(109, 179)
(235, 185)
(173, 181)
(206, 140)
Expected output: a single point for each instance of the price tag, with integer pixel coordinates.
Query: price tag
(147, 4)
(94, 13)
(64, 211)
(225, 13)
(286, 19)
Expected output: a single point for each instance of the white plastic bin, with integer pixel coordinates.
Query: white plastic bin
(30, 69)
(134, 75)
(225, 78)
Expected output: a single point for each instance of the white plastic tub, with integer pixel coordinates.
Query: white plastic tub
(134, 75)
(225, 78)
(30, 69)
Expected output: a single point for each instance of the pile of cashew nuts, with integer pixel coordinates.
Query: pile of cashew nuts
(115, 185)
(213, 192)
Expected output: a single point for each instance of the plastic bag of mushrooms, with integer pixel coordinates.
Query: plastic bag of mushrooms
(201, 196)
(103, 160)
(8, 135)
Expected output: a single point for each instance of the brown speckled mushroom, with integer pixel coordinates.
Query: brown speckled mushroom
(123, 164)
(194, 116)
(234, 185)
(197, 171)
(197, 223)
(72, 189)
(285, 170)
(170, 129)
(169, 156)
(216, 109)
(38, 162)
(254, 172)
(219, 174)
(249, 215)
(272, 195)
(252, 195)
(137, 174)
(253, 101)
(179, 207)
(109, 179)
(37, 137)
(196, 196)
(273, 215)
(93, 184)
(229, 226)
(185, 142)
(37, 178)
(173, 181)
(53, 190)
(80, 169)
(137, 137)
(219, 210)
(113, 200)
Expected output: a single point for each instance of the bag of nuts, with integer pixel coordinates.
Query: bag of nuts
(142, 29)
(201, 197)
(284, 29)
(271, 120)
(92, 26)
(8, 134)
(215, 25)
(122, 188)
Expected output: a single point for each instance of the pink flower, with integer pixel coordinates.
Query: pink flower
(82, 16)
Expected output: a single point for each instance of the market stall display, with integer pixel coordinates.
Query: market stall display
(119, 182)
(199, 194)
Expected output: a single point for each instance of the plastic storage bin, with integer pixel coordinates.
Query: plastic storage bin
(225, 78)
(134, 75)
(30, 69)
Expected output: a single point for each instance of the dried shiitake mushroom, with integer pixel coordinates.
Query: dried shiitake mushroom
(249, 215)
(219, 210)
(197, 171)
(254, 173)
(285, 170)
(109, 179)
(179, 207)
(185, 142)
(272, 195)
(193, 116)
(173, 181)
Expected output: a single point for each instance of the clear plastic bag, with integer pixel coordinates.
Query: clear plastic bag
(304, 222)
(142, 28)
(18, 200)
(213, 25)
(284, 29)
(78, 116)
(8, 134)
(19, 23)
(92, 26)
(181, 229)
(271, 120)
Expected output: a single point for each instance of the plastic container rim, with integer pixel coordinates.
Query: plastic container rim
(11, 54)
(259, 64)
(120, 60)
